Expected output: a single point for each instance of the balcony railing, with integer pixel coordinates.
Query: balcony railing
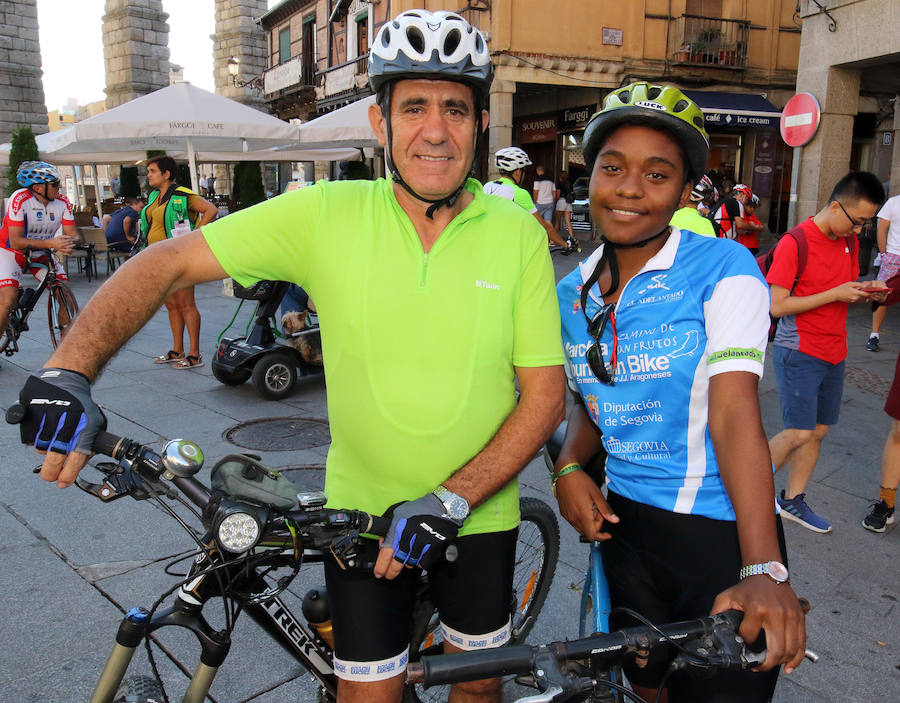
(289, 75)
(710, 41)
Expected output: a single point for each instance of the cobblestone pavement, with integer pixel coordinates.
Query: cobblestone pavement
(69, 565)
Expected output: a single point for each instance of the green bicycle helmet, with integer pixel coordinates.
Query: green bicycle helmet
(663, 105)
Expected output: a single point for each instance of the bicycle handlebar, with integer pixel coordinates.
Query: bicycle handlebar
(602, 650)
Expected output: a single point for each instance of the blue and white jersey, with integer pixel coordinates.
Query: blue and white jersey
(700, 307)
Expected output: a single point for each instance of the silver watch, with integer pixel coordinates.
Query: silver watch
(775, 570)
(456, 506)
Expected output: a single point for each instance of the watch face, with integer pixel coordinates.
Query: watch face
(457, 508)
(777, 571)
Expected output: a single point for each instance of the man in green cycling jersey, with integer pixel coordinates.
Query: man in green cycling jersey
(511, 162)
(438, 300)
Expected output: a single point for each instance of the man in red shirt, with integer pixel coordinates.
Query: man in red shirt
(811, 340)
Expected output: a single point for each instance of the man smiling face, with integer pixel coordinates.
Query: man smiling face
(433, 129)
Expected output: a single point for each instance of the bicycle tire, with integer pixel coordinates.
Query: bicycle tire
(537, 553)
(139, 689)
(60, 298)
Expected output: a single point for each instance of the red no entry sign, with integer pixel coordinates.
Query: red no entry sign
(800, 119)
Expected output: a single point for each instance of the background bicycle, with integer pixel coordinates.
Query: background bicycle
(52, 292)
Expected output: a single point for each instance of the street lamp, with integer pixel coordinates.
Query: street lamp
(234, 68)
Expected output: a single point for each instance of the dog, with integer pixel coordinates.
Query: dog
(309, 345)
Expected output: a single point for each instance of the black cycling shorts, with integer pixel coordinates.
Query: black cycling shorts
(669, 567)
(371, 617)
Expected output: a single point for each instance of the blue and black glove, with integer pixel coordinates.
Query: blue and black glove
(421, 531)
(60, 415)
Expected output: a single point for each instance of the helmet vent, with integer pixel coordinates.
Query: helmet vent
(624, 96)
(386, 36)
(680, 106)
(653, 93)
(698, 122)
(416, 40)
(451, 42)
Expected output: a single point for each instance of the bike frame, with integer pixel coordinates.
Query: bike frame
(595, 596)
(19, 315)
(273, 616)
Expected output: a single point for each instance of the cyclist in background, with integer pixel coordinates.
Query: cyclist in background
(438, 300)
(511, 162)
(37, 211)
(665, 332)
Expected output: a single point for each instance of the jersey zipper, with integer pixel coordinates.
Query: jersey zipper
(424, 270)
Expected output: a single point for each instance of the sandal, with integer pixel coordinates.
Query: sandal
(169, 357)
(189, 362)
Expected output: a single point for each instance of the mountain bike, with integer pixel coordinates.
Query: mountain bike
(577, 670)
(61, 307)
(248, 551)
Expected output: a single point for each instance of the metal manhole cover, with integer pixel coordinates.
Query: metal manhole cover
(280, 434)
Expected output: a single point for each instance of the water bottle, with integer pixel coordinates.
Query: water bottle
(318, 613)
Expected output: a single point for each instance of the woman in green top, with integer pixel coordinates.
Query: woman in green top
(171, 211)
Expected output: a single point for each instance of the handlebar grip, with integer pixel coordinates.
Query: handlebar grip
(379, 525)
(15, 413)
(106, 443)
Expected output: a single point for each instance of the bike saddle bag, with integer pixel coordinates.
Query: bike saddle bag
(243, 476)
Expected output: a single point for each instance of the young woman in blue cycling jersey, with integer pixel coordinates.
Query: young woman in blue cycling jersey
(664, 333)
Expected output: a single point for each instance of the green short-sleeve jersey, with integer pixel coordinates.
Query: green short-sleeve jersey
(419, 348)
(506, 188)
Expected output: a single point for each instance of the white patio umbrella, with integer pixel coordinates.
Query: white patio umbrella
(346, 126)
(180, 118)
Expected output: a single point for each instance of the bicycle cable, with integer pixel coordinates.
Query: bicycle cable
(701, 661)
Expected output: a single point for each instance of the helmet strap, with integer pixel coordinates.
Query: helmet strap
(609, 256)
(449, 200)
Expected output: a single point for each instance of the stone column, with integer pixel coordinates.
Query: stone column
(135, 49)
(237, 34)
(500, 131)
(21, 90)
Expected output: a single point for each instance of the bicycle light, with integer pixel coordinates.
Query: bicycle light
(238, 529)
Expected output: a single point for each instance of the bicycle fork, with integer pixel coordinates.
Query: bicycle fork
(136, 625)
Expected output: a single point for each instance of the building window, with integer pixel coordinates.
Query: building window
(309, 50)
(284, 45)
(362, 34)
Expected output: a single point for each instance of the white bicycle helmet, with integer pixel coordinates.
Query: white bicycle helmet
(511, 158)
(434, 45)
(422, 44)
(31, 173)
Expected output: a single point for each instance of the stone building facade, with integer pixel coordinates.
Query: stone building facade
(21, 90)
(238, 36)
(849, 62)
(135, 49)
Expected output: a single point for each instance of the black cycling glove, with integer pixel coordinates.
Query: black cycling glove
(421, 531)
(60, 415)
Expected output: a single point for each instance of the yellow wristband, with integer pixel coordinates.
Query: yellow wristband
(567, 469)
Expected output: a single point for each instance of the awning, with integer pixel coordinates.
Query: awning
(746, 110)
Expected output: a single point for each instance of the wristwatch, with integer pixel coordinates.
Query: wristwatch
(775, 570)
(456, 506)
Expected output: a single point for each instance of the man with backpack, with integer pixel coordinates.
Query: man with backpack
(813, 276)
(728, 215)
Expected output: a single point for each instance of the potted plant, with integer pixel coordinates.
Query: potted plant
(727, 54)
(708, 39)
(683, 55)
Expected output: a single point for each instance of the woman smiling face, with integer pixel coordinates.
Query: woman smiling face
(637, 183)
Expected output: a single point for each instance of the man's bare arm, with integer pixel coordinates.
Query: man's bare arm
(540, 410)
(129, 298)
(783, 303)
